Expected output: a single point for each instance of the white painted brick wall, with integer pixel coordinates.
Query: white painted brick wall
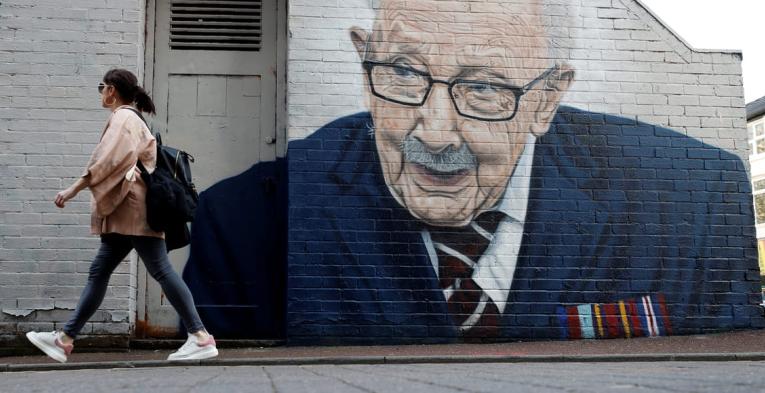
(627, 64)
(52, 55)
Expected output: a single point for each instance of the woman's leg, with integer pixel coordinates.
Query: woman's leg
(114, 248)
(154, 255)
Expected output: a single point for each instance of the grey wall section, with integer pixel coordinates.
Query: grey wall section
(53, 53)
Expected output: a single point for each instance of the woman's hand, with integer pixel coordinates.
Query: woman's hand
(72, 191)
(64, 196)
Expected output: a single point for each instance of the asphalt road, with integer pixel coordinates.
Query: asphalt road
(714, 377)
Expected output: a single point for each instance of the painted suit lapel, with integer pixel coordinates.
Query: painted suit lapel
(382, 241)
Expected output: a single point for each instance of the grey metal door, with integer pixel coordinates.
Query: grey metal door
(212, 71)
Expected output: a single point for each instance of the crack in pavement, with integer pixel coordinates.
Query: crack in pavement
(353, 385)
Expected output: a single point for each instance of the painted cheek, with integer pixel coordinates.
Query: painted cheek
(398, 121)
(391, 127)
(492, 176)
(395, 116)
(492, 180)
(390, 156)
(483, 138)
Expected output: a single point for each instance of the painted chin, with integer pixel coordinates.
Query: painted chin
(435, 182)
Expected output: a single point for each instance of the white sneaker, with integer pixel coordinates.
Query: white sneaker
(194, 350)
(51, 344)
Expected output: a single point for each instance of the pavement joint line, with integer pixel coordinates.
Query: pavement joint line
(398, 359)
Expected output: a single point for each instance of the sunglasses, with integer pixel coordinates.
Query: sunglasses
(101, 86)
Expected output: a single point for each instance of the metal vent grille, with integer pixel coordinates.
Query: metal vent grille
(215, 25)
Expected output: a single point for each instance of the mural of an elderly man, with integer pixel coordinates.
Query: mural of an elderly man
(467, 203)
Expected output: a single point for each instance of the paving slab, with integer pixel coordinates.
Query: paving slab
(731, 346)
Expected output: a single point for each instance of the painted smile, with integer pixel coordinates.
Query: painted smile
(433, 180)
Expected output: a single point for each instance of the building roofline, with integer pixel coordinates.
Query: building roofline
(755, 108)
(680, 38)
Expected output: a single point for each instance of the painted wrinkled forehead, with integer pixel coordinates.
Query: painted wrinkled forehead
(510, 28)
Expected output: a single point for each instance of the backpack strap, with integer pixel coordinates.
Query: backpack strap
(139, 164)
(137, 112)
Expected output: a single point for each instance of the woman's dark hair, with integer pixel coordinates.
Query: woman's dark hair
(127, 87)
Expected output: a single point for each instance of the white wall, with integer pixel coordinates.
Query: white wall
(53, 53)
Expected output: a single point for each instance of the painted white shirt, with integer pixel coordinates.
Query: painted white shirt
(495, 269)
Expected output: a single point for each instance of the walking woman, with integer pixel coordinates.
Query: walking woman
(118, 215)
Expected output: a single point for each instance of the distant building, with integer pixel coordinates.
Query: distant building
(755, 124)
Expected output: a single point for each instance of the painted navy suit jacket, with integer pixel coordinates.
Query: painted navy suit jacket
(620, 213)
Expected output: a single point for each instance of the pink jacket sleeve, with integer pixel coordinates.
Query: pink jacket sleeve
(111, 166)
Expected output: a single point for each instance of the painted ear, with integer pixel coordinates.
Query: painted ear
(359, 38)
(553, 89)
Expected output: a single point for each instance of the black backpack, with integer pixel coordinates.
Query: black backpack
(171, 197)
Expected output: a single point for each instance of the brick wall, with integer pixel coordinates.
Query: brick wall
(669, 202)
(53, 53)
(628, 63)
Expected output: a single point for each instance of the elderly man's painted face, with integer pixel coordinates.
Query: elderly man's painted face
(453, 96)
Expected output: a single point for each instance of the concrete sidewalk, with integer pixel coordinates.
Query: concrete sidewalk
(731, 346)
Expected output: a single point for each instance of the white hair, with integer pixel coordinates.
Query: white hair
(561, 20)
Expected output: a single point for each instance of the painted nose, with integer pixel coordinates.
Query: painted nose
(439, 119)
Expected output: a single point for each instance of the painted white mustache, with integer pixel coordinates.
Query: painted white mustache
(448, 160)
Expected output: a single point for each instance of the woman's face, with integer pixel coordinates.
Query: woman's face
(108, 96)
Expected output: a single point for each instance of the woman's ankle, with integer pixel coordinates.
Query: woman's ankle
(66, 339)
(201, 335)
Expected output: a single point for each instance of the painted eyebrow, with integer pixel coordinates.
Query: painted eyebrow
(405, 48)
(408, 48)
(414, 52)
(403, 43)
(413, 49)
(470, 72)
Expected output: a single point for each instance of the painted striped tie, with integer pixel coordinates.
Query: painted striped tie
(458, 251)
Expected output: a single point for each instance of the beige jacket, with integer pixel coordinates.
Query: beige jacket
(118, 202)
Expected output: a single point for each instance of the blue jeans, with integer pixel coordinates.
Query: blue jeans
(114, 248)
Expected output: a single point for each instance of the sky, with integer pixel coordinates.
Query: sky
(722, 24)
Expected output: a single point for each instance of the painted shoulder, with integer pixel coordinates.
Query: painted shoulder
(574, 126)
(355, 127)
